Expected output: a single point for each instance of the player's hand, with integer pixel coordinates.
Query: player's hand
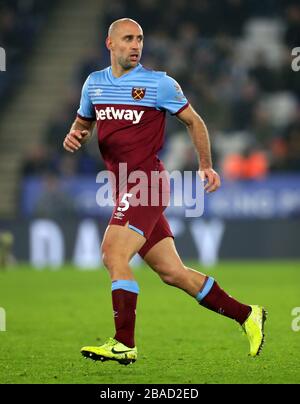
(212, 178)
(74, 140)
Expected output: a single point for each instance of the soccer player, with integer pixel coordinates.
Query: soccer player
(129, 103)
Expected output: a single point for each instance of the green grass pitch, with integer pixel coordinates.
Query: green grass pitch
(51, 314)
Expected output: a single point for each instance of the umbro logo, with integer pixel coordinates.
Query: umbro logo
(119, 214)
(97, 92)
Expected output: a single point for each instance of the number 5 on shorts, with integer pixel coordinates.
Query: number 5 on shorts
(125, 201)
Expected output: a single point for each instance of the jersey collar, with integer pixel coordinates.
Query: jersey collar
(117, 79)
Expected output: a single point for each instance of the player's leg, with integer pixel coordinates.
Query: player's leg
(119, 245)
(160, 253)
(165, 261)
(126, 234)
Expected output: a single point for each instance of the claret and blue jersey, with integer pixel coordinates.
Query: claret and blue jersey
(130, 113)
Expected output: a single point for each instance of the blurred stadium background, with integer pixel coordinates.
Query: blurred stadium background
(233, 60)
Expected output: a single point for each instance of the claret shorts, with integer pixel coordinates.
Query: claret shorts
(143, 210)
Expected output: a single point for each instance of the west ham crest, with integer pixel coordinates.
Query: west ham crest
(138, 93)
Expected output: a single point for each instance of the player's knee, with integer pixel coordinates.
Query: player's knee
(170, 280)
(108, 259)
(174, 278)
(112, 259)
(105, 260)
(107, 255)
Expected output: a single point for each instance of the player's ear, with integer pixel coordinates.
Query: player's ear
(108, 43)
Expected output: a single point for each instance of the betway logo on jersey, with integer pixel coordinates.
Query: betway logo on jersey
(115, 113)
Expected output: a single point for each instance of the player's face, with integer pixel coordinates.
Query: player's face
(127, 45)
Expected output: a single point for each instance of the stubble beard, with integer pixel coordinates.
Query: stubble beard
(126, 64)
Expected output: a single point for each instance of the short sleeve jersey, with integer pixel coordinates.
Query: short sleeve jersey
(130, 112)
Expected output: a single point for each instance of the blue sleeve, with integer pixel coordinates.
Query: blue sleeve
(170, 96)
(86, 109)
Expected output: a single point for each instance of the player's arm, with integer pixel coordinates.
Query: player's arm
(171, 98)
(199, 134)
(83, 126)
(80, 133)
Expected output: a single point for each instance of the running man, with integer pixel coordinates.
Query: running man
(129, 103)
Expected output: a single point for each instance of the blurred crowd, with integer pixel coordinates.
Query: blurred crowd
(233, 60)
(20, 23)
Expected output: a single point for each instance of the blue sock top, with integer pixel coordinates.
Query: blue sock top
(206, 289)
(129, 285)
